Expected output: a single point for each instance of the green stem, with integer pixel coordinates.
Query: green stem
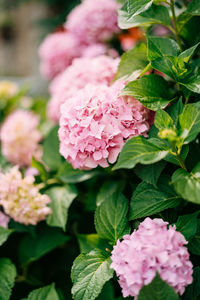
(182, 164)
(175, 24)
(146, 69)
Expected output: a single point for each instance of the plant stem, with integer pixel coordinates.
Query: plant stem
(182, 164)
(175, 24)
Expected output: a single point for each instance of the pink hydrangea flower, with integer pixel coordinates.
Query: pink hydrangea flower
(93, 21)
(57, 52)
(20, 137)
(21, 199)
(4, 220)
(150, 249)
(96, 122)
(98, 70)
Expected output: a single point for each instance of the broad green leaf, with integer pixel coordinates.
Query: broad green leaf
(68, 174)
(107, 189)
(194, 243)
(163, 120)
(7, 278)
(151, 90)
(4, 234)
(89, 274)
(107, 292)
(51, 155)
(192, 292)
(88, 242)
(174, 160)
(111, 218)
(187, 225)
(148, 200)
(61, 199)
(157, 290)
(150, 173)
(140, 150)
(187, 185)
(187, 54)
(44, 293)
(194, 8)
(165, 64)
(156, 14)
(189, 122)
(130, 10)
(193, 84)
(175, 110)
(160, 46)
(40, 167)
(32, 248)
(132, 63)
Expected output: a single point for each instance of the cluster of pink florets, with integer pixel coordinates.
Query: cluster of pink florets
(95, 123)
(20, 137)
(21, 199)
(4, 220)
(99, 70)
(150, 249)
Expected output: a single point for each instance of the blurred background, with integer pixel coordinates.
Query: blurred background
(23, 25)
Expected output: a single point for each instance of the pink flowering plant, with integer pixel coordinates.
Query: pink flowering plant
(100, 186)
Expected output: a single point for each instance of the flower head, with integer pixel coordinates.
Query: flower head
(98, 70)
(95, 123)
(150, 249)
(57, 52)
(20, 137)
(93, 21)
(4, 220)
(21, 200)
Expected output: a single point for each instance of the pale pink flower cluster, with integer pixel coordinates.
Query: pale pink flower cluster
(98, 70)
(93, 21)
(150, 249)
(20, 137)
(4, 220)
(57, 52)
(95, 123)
(21, 199)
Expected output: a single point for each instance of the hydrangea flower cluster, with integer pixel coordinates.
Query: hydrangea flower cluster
(93, 21)
(4, 220)
(57, 52)
(95, 123)
(20, 137)
(150, 249)
(99, 70)
(21, 200)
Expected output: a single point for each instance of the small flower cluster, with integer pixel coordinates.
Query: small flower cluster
(95, 123)
(150, 249)
(20, 137)
(99, 70)
(21, 199)
(4, 220)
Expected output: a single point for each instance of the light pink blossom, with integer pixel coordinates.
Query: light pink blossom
(95, 123)
(57, 52)
(21, 199)
(150, 249)
(93, 21)
(98, 70)
(20, 137)
(4, 220)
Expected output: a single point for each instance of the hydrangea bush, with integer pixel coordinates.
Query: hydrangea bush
(100, 185)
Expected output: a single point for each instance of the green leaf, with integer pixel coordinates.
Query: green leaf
(4, 234)
(175, 110)
(45, 293)
(51, 155)
(187, 54)
(32, 248)
(61, 199)
(132, 63)
(156, 14)
(88, 242)
(187, 185)
(174, 160)
(187, 225)
(163, 120)
(130, 10)
(165, 64)
(107, 293)
(148, 200)
(140, 150)
(40, 167)
(194, 8)
(189, 122)
(107, 189)
(193, 84)
(160, 46)
(157, 290)
(7, 278)
(194, 243)
(192, 292)
(89, 274)
(111, 218)
(68, 174)
(150, 173)
(151, 90)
